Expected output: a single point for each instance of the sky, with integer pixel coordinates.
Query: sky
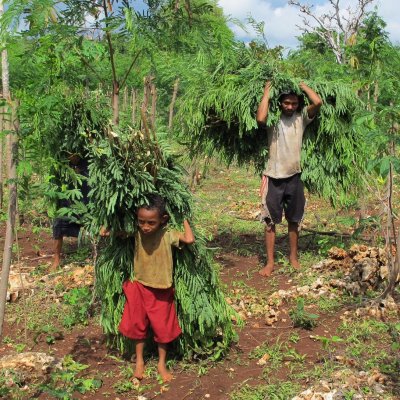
(281, 19)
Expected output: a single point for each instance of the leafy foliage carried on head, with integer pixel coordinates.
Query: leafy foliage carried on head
(123, 173)
(218, 115)
(81, 120)
(55, 132)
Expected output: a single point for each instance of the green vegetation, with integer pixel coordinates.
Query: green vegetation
(302, 318)
(149, 98)
(280, 391)
(65, 382)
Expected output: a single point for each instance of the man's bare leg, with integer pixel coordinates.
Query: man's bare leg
(139, 370)
(166, 376)
(293, 231)
(270, 248)
(57, 254)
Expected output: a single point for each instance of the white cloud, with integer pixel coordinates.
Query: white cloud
(281, 20)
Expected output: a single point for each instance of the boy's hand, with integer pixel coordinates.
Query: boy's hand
(104, 231)
(187, 236)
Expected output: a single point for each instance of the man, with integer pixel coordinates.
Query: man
(282, 188)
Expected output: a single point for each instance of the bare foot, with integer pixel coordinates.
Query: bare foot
(166, 376)
(139, 370)
(294, 262)
(267, 270)
(55, 264)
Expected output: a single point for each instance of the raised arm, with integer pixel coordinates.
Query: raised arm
(315, 100)
(187, 235)
(262, 111)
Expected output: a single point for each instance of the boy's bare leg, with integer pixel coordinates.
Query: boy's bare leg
(139, 370)
(270, 248)
(293, 231)
(166, 376)
(57, 254)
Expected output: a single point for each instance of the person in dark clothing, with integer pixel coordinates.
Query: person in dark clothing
(64, 226)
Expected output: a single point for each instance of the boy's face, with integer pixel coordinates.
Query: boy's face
(150, 221)
(289, 105)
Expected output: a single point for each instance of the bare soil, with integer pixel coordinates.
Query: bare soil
(193, 380)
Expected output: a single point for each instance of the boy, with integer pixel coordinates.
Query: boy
(282, 188)
(150, 296)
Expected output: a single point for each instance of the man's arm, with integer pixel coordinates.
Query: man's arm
(316, 101)
(262, 111)
(187, 235)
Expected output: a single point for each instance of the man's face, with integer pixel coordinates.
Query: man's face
(289, 104)
(149, 221)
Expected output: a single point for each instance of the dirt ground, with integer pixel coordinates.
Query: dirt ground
(87, 345)
(245, 364)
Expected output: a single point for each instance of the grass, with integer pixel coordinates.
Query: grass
(44, 317)
(282, 390)
(225, 207)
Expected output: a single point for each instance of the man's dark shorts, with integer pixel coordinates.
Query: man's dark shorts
(285, 195)
(63, 227)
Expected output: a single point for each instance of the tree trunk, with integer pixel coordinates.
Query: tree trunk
(115, 103)
(12, 209)
(145, 103)
(125, 100)
(391, 244)
(2, 128)
(172, 104)
(153, 92)
(133, 105)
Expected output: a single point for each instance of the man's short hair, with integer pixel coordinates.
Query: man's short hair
(287, 93)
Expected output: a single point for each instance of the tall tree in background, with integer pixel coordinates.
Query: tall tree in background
(337, 27)
(377, 68)
(370, 63)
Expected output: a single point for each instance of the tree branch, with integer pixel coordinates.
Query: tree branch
(129, 69)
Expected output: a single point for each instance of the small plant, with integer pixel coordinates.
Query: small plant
(294, 337)
(20, 347)
(301, 318)
(79, 299)
(11, 383)
(326, 342)
(39, 270)
(349, 394)
(7, 340)
(67, 381)
(123, 386)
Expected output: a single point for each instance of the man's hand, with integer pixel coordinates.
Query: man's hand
(262, 111)
(267, 87)
(315, 100)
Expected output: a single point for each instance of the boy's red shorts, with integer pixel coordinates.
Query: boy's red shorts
(149, 306)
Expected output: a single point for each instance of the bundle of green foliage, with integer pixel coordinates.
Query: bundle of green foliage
(123, 171)
(54, 136)
(218, 114)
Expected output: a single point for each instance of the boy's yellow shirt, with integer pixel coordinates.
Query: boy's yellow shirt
(153, 263)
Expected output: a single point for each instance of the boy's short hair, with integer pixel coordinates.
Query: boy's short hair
(155, 202)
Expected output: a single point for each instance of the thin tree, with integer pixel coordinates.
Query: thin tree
(12, 176)
(172, 104)
(1, 154)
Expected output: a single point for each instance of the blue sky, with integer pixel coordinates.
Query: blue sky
(281, 19)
